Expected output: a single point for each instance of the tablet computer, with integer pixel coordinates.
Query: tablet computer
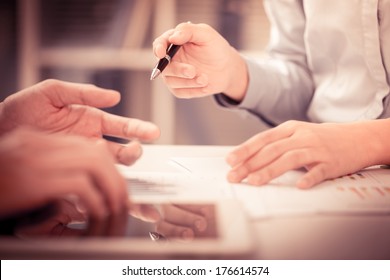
(184, 230)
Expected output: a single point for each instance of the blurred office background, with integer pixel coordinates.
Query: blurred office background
(108, 43)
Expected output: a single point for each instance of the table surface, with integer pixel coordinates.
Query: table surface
(298, 237)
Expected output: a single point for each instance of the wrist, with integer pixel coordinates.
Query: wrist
(238, 78)
(377, 146)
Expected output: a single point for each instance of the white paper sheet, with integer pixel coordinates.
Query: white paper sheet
(365, 192)
(157, 187)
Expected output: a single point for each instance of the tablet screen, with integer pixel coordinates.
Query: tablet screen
(147, 230)
(156, 222)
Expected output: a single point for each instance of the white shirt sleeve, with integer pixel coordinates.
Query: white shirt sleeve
(328, 61)
(280, 87)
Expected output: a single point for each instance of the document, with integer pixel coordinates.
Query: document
(174, 187)
(364, 192)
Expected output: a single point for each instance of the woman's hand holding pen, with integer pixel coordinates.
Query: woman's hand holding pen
(325, 150)
(205, 64)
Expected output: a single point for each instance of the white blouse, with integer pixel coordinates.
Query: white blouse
(329, 61)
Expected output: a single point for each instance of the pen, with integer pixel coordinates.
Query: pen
(155, 236)
(163, 62)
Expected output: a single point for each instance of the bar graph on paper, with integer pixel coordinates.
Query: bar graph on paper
(367, 191)
(364, 192)
(364, 186)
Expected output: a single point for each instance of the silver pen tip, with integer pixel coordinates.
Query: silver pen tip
(155, 236)
(155, 74)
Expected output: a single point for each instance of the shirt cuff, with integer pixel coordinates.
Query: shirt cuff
(225, 101)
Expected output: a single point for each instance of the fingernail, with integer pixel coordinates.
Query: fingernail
(303, 183)
(188, 73)
(128, 155)
(177, 33)
(233, 177)
(148, 126)
(232, 159)
(138, 152)
(201, 225)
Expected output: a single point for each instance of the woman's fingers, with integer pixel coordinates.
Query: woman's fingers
(264, 157)
(246, 150)
(292, 145)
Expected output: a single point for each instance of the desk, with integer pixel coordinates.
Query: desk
(298, 237)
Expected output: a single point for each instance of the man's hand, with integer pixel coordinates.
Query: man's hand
(37, 168)
(56, 106)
